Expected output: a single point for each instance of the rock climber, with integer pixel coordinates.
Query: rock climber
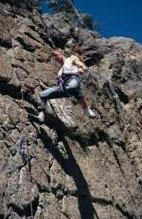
(68, 84)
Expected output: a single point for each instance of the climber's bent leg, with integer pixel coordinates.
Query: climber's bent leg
(73, 88)
(83, 103)
(86, 108)
(50, 93)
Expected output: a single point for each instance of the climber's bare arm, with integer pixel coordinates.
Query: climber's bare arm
(81, 66)
(60, 72)
(43, 85)
(81, 70)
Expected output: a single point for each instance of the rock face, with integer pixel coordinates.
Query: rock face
(75, 167)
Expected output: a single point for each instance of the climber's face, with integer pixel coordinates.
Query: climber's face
(58, 56)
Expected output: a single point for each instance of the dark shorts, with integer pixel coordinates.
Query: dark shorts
(70, 87)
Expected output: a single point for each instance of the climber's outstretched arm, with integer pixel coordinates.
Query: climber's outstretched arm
(43, 85)
(60, 72)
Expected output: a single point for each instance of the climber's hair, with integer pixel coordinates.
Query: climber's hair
(57, 52)
(74, 51)
(77, 51)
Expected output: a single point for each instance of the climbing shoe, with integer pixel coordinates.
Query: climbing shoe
(41, 116)
(90, 113)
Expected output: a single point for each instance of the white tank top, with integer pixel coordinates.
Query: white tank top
(69, 67)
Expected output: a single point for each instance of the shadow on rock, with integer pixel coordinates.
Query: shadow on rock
(71, 168)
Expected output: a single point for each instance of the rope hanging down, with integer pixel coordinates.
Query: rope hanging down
(23, 147)
(25, 153)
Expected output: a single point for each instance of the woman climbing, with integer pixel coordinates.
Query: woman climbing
(68, 84)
